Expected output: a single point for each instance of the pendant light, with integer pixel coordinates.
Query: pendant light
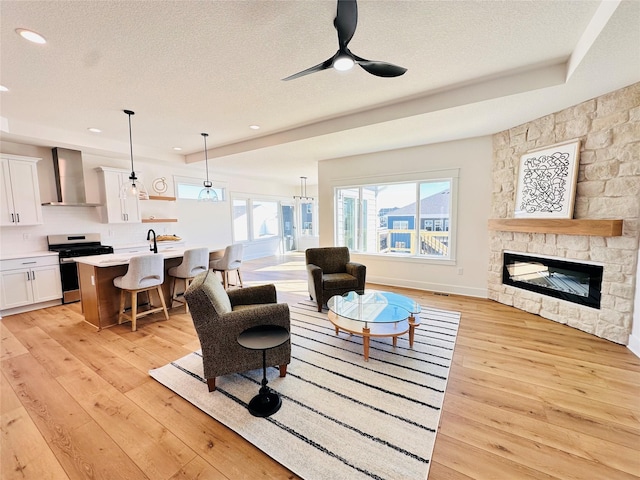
(207, 194)
(135, 188)
(303, 190)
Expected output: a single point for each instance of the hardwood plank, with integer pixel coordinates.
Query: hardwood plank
(24, 454)
(475, 462)
(531, 454)
(198, 468)
(156, 451)
(234, 457)
(588, 447)
(10, 346)
(8, 398)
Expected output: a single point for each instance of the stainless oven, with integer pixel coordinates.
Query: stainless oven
(70, 247)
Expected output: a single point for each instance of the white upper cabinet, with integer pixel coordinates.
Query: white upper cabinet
(117, 209)
(20, 191)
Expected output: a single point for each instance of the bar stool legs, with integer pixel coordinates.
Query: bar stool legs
(134, 306)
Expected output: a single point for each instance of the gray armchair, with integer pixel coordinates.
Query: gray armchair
(330, 272)
(220, 316)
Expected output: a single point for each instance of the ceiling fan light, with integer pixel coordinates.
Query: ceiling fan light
(343, 63)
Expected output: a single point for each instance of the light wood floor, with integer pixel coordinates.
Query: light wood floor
(527, 399)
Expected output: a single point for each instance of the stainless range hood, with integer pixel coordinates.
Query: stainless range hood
(69, 175)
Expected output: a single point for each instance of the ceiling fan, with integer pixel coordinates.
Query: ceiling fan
(345, 23)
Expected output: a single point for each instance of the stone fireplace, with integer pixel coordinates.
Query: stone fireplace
(608, 188)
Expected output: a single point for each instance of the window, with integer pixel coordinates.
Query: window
(411, 218)
(306, 218)
(189, 189)
(240, 220)
(264, 215)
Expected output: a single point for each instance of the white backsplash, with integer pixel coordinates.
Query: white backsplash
(67, 220)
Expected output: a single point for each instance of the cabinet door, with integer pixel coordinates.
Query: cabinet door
(6, 201)
(131, 206)
(26, 192)
(119, 210)
(46, 283)
(15, 289)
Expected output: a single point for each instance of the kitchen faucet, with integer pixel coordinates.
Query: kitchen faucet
(154, 247)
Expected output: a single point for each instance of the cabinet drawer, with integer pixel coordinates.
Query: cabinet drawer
(28, 262)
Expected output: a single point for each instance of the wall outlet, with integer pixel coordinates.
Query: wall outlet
(110, 233)
(25, 236)
(460, 271)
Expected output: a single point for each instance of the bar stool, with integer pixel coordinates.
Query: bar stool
(145, 273)
(231, 260)
(194, 261)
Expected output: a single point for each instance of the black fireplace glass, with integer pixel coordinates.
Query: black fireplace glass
(575, 282)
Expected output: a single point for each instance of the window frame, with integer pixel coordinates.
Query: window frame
(450, 175)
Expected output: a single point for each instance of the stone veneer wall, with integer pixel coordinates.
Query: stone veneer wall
(608, 188)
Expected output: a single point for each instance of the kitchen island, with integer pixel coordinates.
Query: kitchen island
(101, 298)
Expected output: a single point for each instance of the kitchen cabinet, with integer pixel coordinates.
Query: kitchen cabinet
(20, 191)
(117, 209)
(29, 281)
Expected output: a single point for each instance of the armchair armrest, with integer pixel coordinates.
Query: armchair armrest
(253, 295)
(359, 271)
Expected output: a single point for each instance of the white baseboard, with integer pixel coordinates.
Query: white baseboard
(430, 286)
(634, 345)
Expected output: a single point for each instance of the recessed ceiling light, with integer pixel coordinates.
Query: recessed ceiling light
(30, 35)
(94, 130)
(177, 149)
(3, 88)
(254, 127)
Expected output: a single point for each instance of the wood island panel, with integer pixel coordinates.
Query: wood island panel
(101, 298)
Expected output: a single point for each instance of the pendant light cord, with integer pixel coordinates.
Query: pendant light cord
(206, 157)
(129, 113)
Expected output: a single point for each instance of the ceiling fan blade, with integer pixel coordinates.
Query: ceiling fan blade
(380, 69)
(316, 68)
(346, 21)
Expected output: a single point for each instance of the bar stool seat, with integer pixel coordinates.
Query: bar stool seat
(145, 273)
(194, 261)
(231, 260)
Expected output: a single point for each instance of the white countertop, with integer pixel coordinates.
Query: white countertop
(13, 256)
(115, 259)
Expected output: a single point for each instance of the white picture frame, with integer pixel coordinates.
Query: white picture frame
(547, 179)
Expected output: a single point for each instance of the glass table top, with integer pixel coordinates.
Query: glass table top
(373, 306)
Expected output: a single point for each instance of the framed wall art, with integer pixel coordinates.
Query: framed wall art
(547, 182)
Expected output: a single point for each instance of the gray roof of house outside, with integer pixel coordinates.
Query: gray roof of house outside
(436, 204)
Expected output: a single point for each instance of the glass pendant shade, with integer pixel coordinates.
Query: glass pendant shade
(207, 194)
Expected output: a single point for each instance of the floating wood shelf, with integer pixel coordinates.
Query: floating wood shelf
(160, 197)
(599, 228)
(159, 220)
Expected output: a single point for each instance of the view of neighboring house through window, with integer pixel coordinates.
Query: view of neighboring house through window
(412, 219)
(189, 189)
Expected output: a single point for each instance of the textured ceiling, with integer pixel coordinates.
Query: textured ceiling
(185, 67)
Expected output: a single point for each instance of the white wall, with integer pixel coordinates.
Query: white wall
(198, 223)
(473, 159)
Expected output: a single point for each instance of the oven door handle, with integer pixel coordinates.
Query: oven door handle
(67, 260)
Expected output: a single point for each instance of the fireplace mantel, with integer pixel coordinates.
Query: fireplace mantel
(599, 228)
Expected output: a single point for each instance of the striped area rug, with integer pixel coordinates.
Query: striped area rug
(341, 417)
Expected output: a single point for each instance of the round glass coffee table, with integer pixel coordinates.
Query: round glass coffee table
(374, 314)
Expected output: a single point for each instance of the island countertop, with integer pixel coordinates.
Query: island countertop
(115, 259)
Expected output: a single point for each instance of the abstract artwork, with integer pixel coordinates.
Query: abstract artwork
(547, 182)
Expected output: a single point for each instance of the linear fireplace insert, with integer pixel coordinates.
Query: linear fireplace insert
(579, 283)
